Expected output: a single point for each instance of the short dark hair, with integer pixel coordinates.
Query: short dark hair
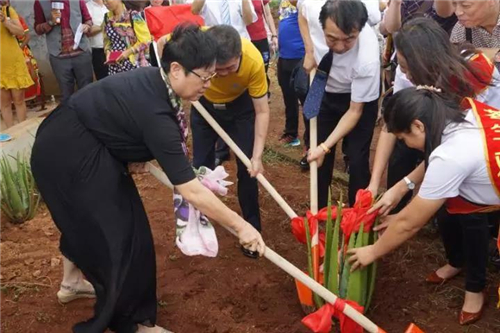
(348, 15)
(189, 46)
(228, 42)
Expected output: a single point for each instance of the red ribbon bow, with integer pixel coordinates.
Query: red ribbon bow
(321, 320)
(299, 231)
(353, 217)
(351, 220)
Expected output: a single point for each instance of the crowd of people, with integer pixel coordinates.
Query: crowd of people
(440, 126)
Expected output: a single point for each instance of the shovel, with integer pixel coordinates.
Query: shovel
(285, 265)
(275, 258)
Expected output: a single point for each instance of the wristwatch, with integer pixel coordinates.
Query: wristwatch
(51, 23)
(409, 183)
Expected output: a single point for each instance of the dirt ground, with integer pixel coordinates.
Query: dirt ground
(231, 293)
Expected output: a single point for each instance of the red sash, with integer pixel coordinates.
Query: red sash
(488, 120)
(483, 69)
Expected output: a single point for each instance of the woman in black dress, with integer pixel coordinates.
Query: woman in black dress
(80, 162)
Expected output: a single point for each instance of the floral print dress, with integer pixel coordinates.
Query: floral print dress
(130, 30)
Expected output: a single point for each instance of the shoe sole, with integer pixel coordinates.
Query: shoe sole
(64, 299)
(292, 144)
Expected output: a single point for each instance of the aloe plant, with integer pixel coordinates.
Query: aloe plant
(19, 196)
(356, 286)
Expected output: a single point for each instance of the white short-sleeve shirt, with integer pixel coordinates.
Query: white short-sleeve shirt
(212, 14)
(490, 95)
(97, 12)
(458, 166)
(310, 9)
(401, 81)
(358, 70)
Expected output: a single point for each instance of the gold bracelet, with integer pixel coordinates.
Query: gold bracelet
(325, 148)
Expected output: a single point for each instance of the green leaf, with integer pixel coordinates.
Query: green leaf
(333, 284)
(356, 290)
(372, 270)
(19, 196)
(328, 245)
(346, 269)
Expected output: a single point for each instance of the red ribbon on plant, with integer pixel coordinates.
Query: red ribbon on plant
(321, 320)
(351, 219)
(299, 231)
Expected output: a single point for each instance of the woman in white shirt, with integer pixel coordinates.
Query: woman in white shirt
(443, 66)
(456, 168)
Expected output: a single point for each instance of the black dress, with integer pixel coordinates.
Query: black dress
(79, 161)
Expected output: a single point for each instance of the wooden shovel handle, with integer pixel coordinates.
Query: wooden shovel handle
(246, 161)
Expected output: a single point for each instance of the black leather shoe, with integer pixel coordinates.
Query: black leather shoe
(304, 165)
(249, 254)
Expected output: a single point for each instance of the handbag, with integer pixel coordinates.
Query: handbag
(299, 81)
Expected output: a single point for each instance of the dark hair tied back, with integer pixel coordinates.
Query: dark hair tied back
(434, 109)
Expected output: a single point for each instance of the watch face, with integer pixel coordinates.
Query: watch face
(411, 186)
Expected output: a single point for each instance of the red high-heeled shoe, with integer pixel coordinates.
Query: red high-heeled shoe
(433, 278)
(467, 318)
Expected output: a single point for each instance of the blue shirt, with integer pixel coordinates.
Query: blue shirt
(290, 41)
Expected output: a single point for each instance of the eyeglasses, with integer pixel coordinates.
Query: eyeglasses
(205, 79)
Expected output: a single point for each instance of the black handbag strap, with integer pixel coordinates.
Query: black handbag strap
(468, 35)
(326, 63)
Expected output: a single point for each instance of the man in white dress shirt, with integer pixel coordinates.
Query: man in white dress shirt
(237, 13)
(312, 31)
(349, 106)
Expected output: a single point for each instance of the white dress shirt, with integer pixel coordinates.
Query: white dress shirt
(97, 12)
(310, 9)
(211, 13)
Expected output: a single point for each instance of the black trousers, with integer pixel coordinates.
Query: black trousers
(68, 71)
(98, 60)
(285, 69)
(238, 121)
(263, 46)
(403, 160)
(357, 147)
(466, 238)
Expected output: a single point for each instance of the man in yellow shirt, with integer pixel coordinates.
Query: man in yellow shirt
(237, 99)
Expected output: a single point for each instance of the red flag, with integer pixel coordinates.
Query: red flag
(162, 20)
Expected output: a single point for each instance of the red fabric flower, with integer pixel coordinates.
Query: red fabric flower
(299, 231)
(353, 217)
(364, 199)
(321, 320)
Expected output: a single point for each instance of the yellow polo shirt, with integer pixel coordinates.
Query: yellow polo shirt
(251, 75)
